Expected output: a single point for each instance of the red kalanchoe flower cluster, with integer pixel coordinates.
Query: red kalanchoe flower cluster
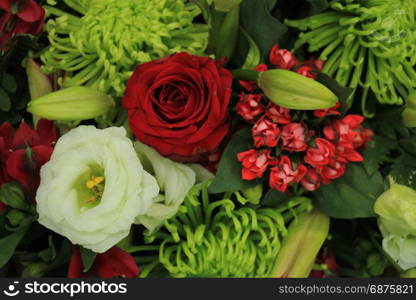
(255, 163)
(249, 106)
(113, 263)
(284, 173)
(19, 17)
(22, 153)
(294, 137)
(282, 58)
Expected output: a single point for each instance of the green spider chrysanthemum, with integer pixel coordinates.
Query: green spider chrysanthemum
(102, 44)
(218, 239)
(369, 43)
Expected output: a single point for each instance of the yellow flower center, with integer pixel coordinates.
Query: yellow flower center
(96, 185)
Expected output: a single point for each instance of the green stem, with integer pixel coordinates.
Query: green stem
(241, 74)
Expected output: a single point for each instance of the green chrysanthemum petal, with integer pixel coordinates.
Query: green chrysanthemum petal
(102, 44)
(369, 44)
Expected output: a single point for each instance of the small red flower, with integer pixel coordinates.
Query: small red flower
(329, 266)
(363, 135)
(255, 163)
(311, 181)
(113, 263)
(278, 114)
(250, 86)
(283, 174)
(294, 137)
(348, 130)
(306, 71)
(315, 64)
(333, 170)
(346, 153)
(19, 17)
(265, 133)
(249, 106)
(25, 151)
(282, 58)
(320, 113)
(321, 155)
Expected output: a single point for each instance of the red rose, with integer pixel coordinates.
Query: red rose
(19, 17)
(25, 151)
(294, 137)
(255, 163)
(321, 155)
(283, 174)
(278, 114)
(249, 106)
(282, 58)
(179, 105)
(311, 181)
(265, 133)
(113, 263)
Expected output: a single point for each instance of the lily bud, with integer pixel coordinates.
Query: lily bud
(409, 113)
(305, 237)
(253, 194)
(226, 5)
(294, 91)
(71, 104)
(12, 195)
(39, 83)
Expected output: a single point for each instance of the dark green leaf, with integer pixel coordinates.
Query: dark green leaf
(343, 93)
(88, 258)
(351, 196)
(409, 145)
(228, 178)
(8, 82)
(9, 243)
(5, 103)
(377, 153)
(273, 198)
(317, 6)
(258, 22)
(403, 170)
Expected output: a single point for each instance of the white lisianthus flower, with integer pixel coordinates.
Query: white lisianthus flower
(93, 187)
(174, 179)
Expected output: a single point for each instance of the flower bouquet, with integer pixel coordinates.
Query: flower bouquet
(207, 138)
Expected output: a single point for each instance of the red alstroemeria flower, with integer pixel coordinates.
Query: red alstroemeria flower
(294, 137)
(19, 17)
(278, 114)
(255, 163)
(321, 155)
(283, 174)
(265, 133)
(282, 58)
(25, 151)
(249, 106)
(332, 111)
(113, 263)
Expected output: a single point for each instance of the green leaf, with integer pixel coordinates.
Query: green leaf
(403, 170)
(343, 93)
(88, 258)
(273, 198)
(257, 20)
(351, 196)
(377, 153)
(9, 243)
(253, 58)
(5, 103)
(228, 178)
(317, 6)
(8, 82)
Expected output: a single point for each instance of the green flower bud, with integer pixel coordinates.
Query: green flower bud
(71, 104)
(300, 247)
(409, 113)
(15, 217)
(294, 91)
(12, 195)
(253, 194)
(396, 209)
(226, 5)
